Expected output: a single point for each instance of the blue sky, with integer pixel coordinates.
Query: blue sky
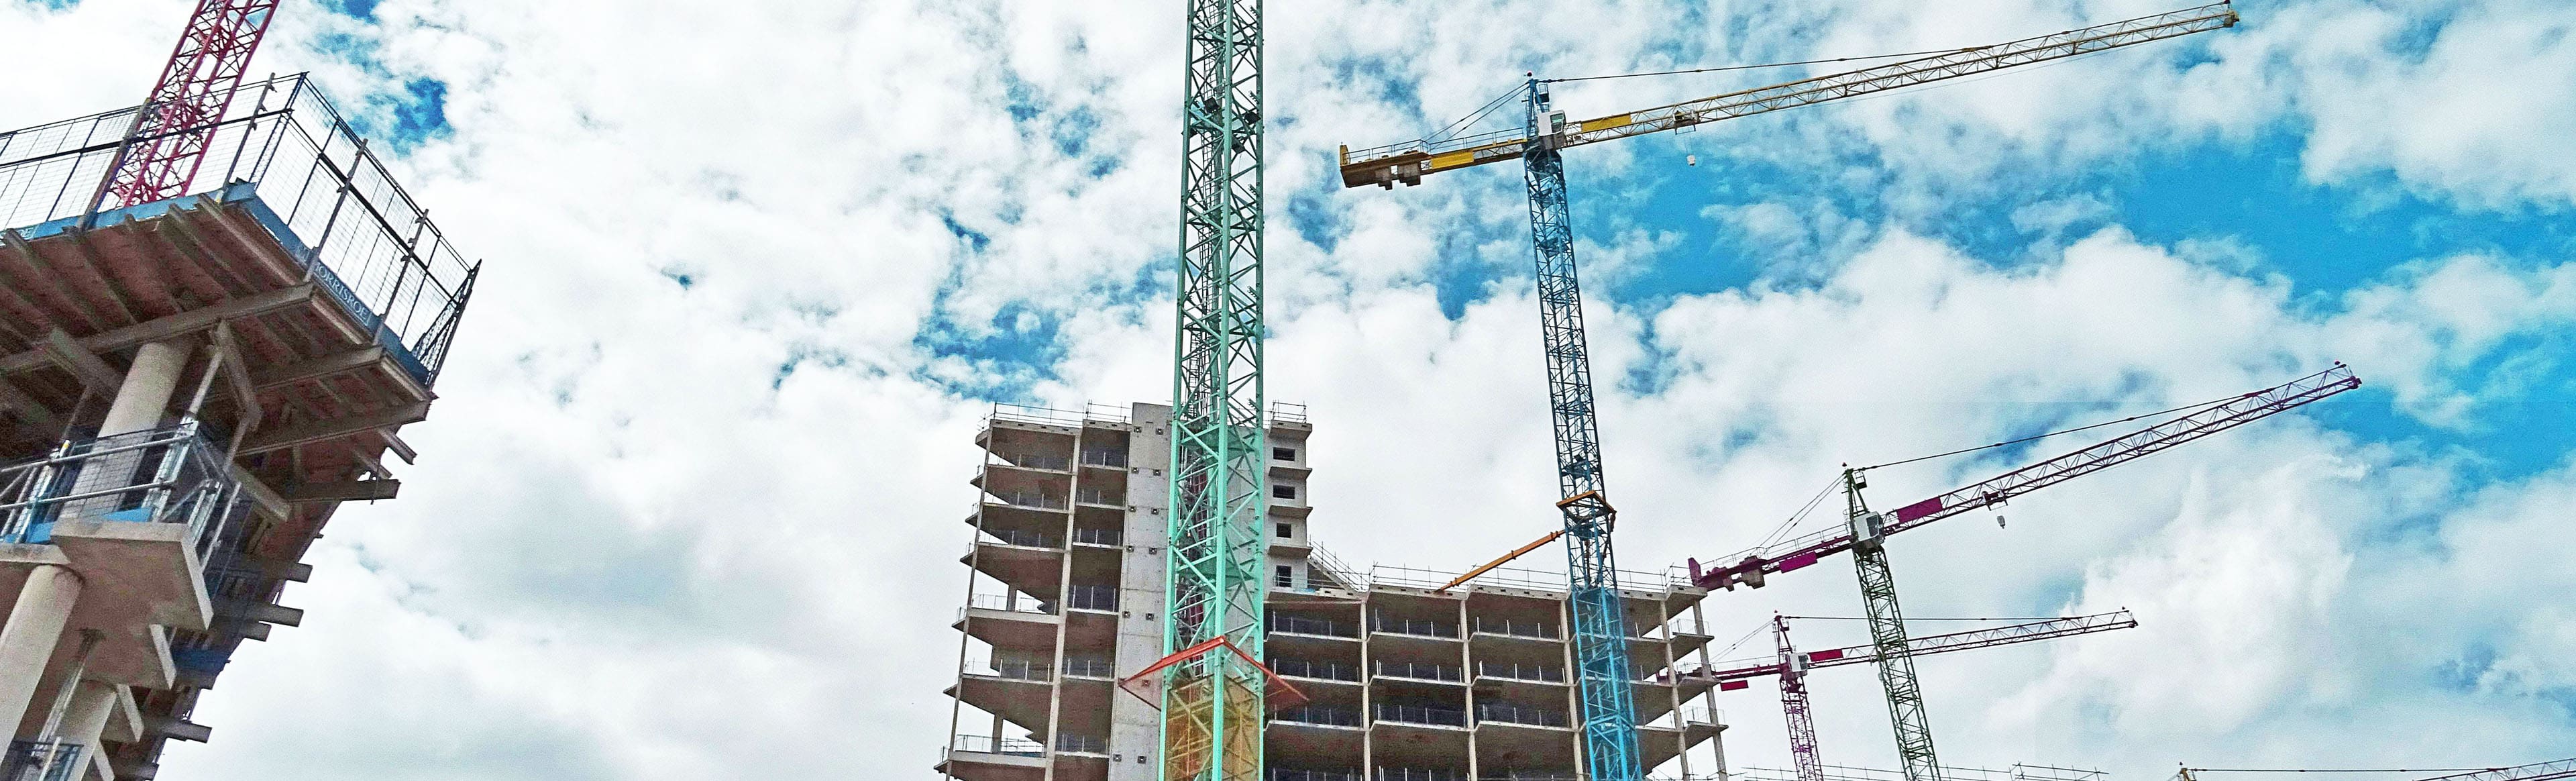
(755, 276)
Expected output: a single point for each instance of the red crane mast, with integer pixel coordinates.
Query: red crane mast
(177, 121)
(1792, 667)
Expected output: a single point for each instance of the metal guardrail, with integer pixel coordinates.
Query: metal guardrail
(326, 195)
(1420, 774)
(1300, 668)
(1004, 602)
(1025, 539)
(1032, 500)
(1090, 413)
(2017, 772)
(1288, 774)
(1109, 537)
(1518, 577)
(1416, 628)
(986, 744)
(1090, 668)
(173, 474)
(1325, 715)
(1081, 743)
(51, 760)
(1031, 414)
(1091, 597)
(1420, 671)
(1031, 461)
(1520, 672)
(1018, 670)
(1317, 558)
(1312, 626)
(1519, 714)
(1116, 459)
(1421, 714)
(1097, 496)
(1530, 629)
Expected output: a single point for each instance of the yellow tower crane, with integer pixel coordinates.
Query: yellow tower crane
(1608, 717)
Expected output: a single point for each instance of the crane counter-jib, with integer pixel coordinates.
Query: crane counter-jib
(2207, 420)
(1407, 162)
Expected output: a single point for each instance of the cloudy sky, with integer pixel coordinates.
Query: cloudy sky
(689, 506)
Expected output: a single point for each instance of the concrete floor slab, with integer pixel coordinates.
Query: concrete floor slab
(136, 573)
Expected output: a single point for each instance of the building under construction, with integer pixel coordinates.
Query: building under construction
(216, 311)
(1399, 681)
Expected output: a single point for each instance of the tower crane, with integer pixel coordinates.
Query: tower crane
(1864, 534)
(176, 123)
(1608, 715)
(1792, 667)
(1212, 682)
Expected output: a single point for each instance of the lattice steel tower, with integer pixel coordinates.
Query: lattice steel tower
(1592, 574)
(1212, 703)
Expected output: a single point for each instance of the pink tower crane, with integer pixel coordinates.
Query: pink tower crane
(177, 121)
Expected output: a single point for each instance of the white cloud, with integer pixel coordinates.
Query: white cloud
(625, 555)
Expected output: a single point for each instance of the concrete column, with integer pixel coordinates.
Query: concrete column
(27, 641)
(92, 704)
(145, 395)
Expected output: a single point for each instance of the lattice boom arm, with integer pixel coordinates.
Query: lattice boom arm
(1935, 644)
(2539, 771)
(1407, 162)
(1984, 638)
(170, 134)
(2160, 437)
(2226, 415)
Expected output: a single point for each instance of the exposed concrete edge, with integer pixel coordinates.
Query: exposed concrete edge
(199, 614)
(124, 718)
(22, 553)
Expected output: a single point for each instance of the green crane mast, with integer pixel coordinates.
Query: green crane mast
(1212, 699)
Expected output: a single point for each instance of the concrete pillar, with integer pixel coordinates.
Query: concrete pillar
(27, 640)
(145, 395)
(92, 704)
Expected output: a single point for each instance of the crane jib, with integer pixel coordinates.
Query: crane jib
(2135, 445)
(1407, 162)
(1927, 645)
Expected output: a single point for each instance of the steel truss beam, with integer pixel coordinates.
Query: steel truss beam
(179, 117)
(1600, 632)
(1213, 703)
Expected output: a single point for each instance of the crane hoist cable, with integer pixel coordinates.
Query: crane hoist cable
(2037, 437)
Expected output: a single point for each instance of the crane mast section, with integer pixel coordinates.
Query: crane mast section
(1213, 703)
(1407, 162)
(1905, 710)
(1804, 551)
(177, 121)
(1796, 706)
(1603, 677)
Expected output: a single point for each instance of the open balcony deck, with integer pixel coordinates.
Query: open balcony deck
(317, 302)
